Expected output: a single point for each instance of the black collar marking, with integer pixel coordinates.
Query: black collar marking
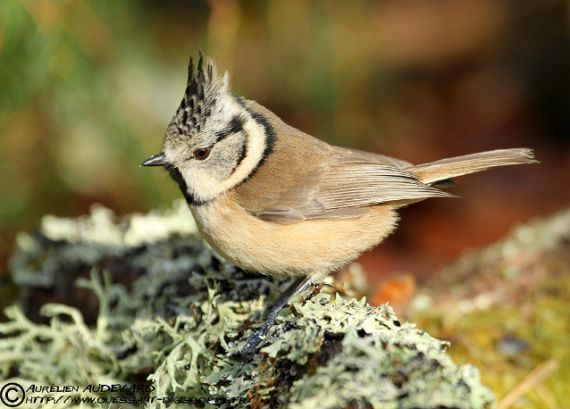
(270, 137)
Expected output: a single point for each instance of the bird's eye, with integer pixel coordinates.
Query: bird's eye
(202, 153)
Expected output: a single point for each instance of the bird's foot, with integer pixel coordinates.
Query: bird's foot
(271, 313)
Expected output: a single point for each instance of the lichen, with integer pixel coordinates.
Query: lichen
(153, 304)
(506, 308)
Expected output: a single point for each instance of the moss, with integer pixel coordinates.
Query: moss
(170, 313)
(506, 309)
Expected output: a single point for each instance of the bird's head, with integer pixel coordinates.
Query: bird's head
(215, 140)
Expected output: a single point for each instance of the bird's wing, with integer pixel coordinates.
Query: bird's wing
(305, 178)
(345, 183)
(372, 157)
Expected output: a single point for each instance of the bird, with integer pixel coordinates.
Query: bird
(274, 200)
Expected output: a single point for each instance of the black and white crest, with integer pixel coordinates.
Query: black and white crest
(201, 97)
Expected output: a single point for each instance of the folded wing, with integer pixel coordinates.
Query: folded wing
(346, 185)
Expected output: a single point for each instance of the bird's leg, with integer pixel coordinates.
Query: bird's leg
(272, 311)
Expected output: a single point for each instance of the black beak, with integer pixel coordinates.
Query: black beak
(155, 160)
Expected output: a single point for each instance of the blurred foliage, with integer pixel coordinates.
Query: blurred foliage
(76, 97)
(87, 88)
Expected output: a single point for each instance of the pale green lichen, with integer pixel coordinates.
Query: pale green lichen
(101, 227)
(170, 313)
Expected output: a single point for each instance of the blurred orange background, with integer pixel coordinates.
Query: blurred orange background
(87, 89)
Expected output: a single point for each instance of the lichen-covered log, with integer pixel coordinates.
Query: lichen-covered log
(146, 301)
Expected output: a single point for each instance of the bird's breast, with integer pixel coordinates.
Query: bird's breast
(302, 248)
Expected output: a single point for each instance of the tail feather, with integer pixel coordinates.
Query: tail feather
(449, 168)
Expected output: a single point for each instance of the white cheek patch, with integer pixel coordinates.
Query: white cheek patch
(256, 142)
(205, 185)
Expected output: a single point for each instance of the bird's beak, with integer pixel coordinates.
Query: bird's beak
(155, 160)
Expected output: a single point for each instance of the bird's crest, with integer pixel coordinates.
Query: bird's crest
(203, 89)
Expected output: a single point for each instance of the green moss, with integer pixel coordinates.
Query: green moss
(510, 323)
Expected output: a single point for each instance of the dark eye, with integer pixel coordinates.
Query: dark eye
(202, 153)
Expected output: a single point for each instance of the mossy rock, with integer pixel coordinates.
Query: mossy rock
(148, 302)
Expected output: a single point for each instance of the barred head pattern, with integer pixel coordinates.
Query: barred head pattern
(201, 98)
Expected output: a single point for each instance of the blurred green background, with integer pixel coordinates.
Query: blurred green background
(88, 87)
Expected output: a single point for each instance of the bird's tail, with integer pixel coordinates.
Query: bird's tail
(444, 169)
